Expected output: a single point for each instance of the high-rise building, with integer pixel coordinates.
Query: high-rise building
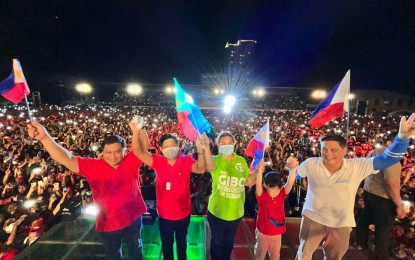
(241, 65)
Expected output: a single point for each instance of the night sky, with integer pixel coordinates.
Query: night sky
(300, 43)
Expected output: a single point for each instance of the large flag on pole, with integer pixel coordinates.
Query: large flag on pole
(191, 120)
(14, 87)
(258, 145)
(335, 105)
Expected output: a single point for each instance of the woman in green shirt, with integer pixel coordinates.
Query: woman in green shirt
(230, 175)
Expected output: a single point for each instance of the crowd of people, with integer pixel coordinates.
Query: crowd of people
(35, 187)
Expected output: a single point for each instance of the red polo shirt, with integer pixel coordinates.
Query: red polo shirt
(116, 192)
(173, 186)
(274, 208)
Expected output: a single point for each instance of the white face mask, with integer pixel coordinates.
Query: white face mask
(226, 149)
(8, 229)
(171, 152)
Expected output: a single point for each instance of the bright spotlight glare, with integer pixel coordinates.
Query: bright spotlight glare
(134, 89)
(351, 96)
(230, 101)
(91, 210)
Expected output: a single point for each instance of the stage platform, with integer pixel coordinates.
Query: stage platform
(78, 240)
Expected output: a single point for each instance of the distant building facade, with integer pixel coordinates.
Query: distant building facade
(240, 62)
(381, 102)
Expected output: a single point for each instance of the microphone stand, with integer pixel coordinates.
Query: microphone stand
(298, 182)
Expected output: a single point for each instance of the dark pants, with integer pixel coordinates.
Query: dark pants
(131, 235)
(380, 212)
(222, 236)
(169, 229)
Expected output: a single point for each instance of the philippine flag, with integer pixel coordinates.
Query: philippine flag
(334, 106)
(14, 88)
(191, 120)
(258, 145)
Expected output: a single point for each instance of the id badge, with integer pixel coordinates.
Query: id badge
(168, 185)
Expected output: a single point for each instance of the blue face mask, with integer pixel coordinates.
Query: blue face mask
(226, 149)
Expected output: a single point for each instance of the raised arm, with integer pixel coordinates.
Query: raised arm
(292, 163)
(396, 151)
(210, 164)
(140, 142)
(250, 181)
(12, 235)
(259, 176)
(200, 166)
(58, 153)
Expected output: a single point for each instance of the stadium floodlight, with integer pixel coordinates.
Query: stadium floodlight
(218, 91)
(83, 88)
(134, 89)
(319, 94)
(259, 92)
(170, 89)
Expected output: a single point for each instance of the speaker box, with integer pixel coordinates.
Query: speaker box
(37, 101)
(151, 215)
(71, 209)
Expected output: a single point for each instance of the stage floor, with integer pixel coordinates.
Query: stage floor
(78, 240)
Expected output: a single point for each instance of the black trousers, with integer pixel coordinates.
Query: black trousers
(168, 230)
(131, 235)
(222, 237)
(380, 212)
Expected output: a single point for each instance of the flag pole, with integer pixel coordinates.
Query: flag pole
(263, 151)
(348, 113)
(28, 108)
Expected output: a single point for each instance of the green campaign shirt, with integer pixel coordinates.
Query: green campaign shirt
(228, 187)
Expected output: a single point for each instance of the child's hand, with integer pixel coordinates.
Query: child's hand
(261, 166)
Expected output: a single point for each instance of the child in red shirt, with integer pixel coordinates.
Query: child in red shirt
(271, 215)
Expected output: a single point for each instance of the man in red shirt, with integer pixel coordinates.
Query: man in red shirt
(172, 187)
(114, 181)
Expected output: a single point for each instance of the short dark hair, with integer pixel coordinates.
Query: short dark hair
(167, 136)
(333, 137)
(273, 179)
(391, 137)
(112, 139)
(223, 134)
